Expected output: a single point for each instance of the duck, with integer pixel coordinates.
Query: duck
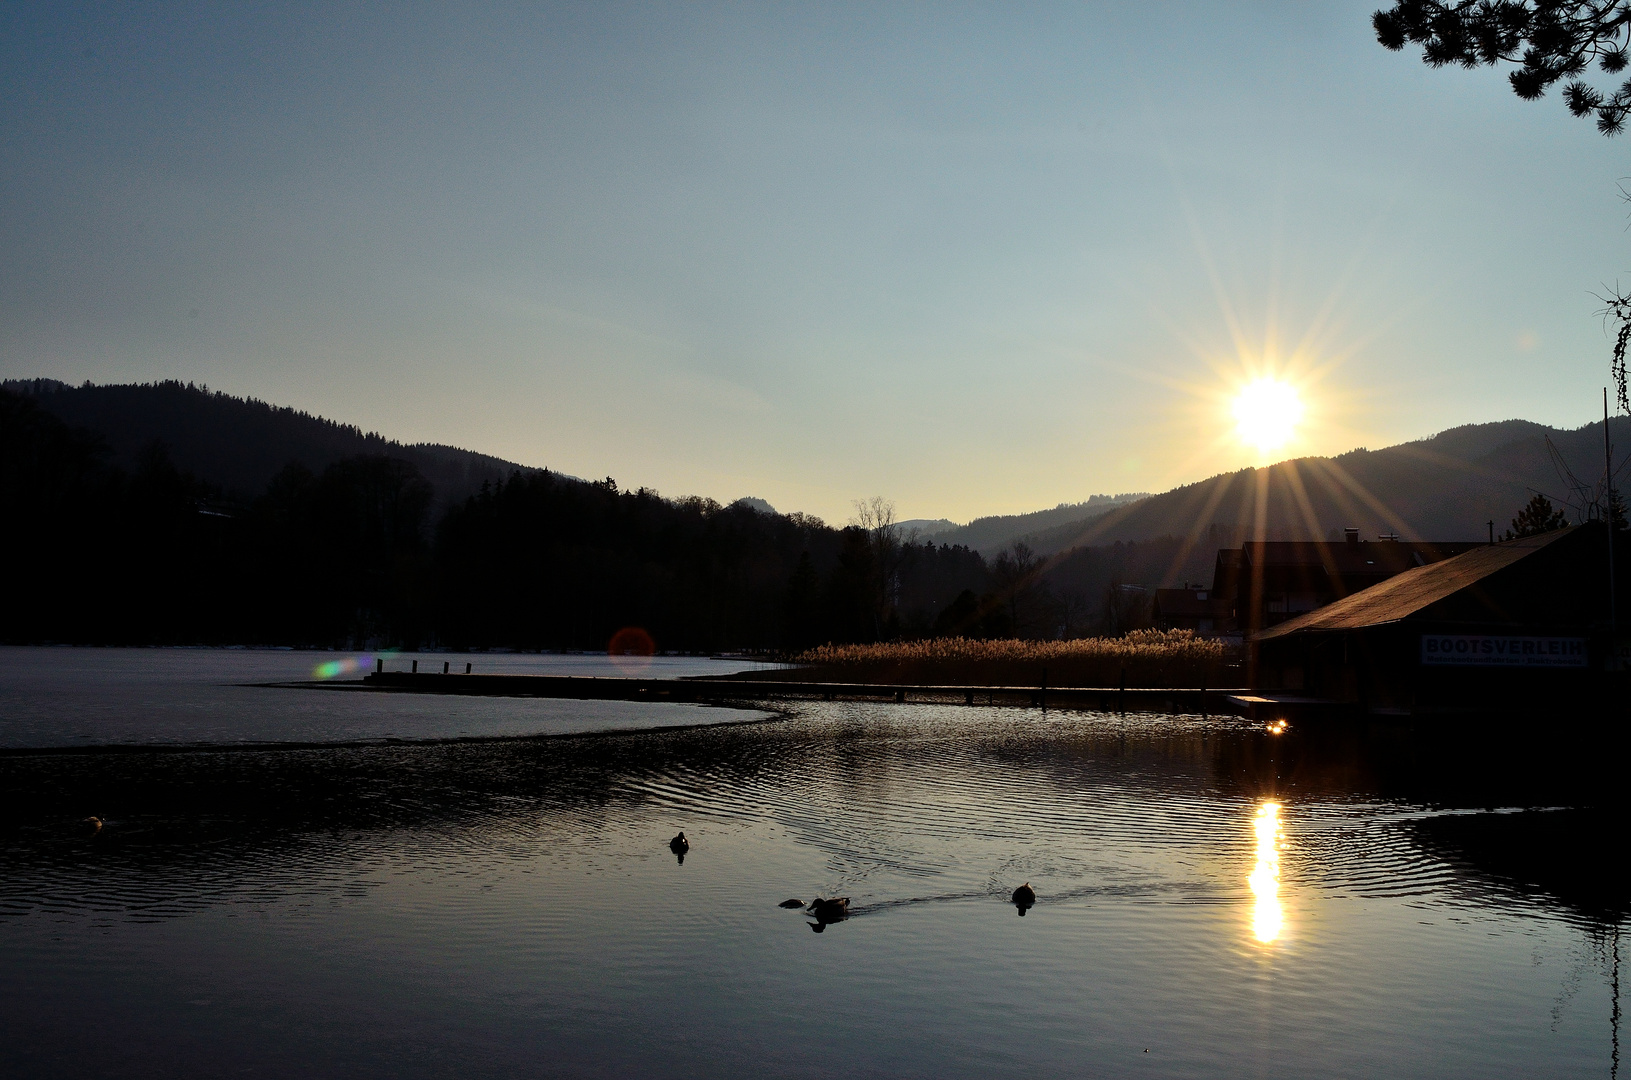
(831, 909)
(1024, 897)
(791, 903)
(679, 845)
(95, 823)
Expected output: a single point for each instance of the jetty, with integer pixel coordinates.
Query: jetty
(741, 690)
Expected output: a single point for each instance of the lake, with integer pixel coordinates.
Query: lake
(1213, 900)
(88, 697)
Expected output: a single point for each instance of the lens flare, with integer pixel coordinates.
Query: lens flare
(631, 649)
(1265, 877)
(332, 669)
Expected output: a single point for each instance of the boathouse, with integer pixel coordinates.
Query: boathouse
(1510, 624)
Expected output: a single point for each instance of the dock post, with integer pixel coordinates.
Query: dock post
(379, 666)
(416, 667)
(444, 667)
(467, 669)
(900, 697)
(968, 697)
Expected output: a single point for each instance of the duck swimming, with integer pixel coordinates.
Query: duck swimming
(791, 903)
(679, 845)
(1024, 897)
(831, 909)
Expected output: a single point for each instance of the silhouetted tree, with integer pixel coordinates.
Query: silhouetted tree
(1031, 610)
(802, 613)
(347, 555)
(1548, 40)
(1537, 517)
(852, 591)
(961, 618)
(877, 517)
(928, 576)
(1126, 607)
(59, 500)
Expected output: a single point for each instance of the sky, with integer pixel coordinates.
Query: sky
(976, 259)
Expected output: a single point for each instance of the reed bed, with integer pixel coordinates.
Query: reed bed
(1141, 658)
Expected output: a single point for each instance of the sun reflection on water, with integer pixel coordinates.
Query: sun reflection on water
(1265, 877)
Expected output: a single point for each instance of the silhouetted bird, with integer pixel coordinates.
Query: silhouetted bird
(679, 845)
(791, 903)
(830, 910)
(1024, 897)
(95, 823)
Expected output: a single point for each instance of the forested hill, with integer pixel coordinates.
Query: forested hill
(989, 535)
(170, 514)
(1447, 487)
(237, 445)
(357, 554)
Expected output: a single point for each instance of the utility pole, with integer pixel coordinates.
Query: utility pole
(1608, 515)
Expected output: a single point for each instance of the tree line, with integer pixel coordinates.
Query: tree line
(356, 555)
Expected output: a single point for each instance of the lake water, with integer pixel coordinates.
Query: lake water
(89, 697)
(1214, 900)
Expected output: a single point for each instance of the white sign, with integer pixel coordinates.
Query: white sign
(1491, 650)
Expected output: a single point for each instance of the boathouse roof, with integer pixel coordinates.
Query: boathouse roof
(1418, 588)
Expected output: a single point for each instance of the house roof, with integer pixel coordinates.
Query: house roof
(1406, 594)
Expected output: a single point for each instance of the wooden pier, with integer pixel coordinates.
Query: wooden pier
(704, 690)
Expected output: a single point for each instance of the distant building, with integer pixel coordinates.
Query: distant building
(1512, 624)
(1192, 608)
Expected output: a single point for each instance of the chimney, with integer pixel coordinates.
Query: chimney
(1352, 536)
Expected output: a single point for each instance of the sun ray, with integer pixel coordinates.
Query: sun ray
(1192, 538)
(1299, 499)
(1345, 505)
(1381, 509)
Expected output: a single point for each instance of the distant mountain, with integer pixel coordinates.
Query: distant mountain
(925, 527)
(1447, 487)
(239, 444)
(989, 535)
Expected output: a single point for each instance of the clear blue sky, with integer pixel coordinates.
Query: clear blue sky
(978, 259)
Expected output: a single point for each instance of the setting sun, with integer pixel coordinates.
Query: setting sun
(1266, 413)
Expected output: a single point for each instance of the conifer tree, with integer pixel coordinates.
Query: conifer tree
(1547, 40)
(1536, 518)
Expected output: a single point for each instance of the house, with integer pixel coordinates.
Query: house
(1191, 608)
(1510, 625)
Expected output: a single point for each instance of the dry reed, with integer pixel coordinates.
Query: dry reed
(1141, 658)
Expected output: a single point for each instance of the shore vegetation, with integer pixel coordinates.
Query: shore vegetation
(1139, 658)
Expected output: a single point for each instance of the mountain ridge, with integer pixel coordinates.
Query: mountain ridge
(1447, 486)
(238, 444)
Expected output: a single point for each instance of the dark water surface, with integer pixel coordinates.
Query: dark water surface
(1214, 901)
